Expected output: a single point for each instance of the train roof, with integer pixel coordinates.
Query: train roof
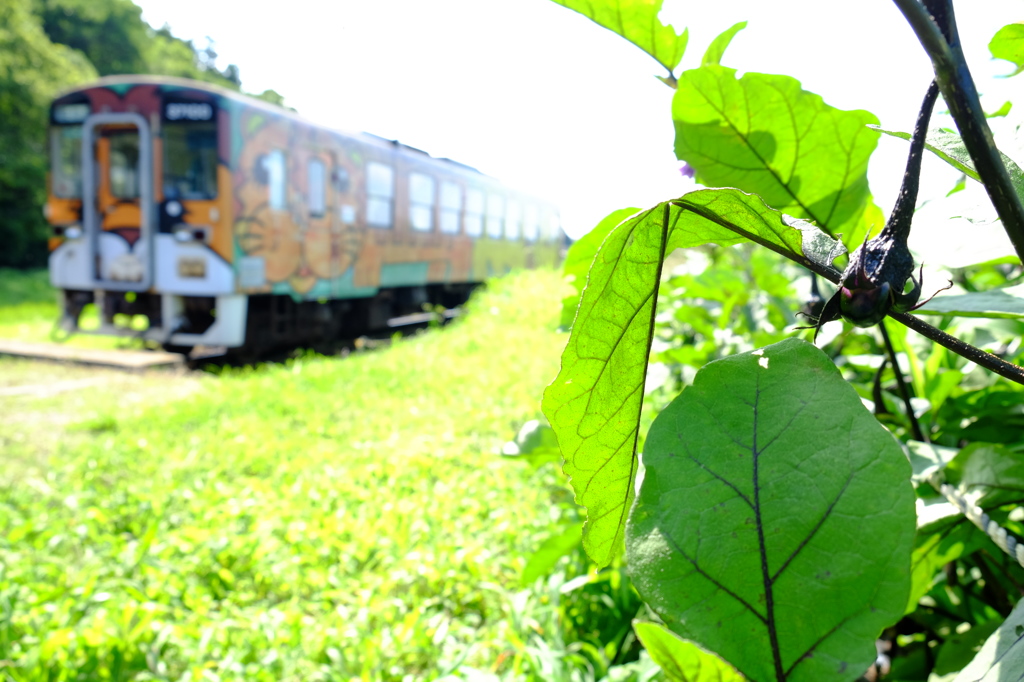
(255, 102)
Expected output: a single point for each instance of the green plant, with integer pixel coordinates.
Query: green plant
(773, 518)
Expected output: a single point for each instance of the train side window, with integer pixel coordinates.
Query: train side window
(531, 223)
(380, 194)
(474, 219)
(495, 215)
(422, 193)
(274, 172)
(317, 188)
(451, 206)
(513, 220)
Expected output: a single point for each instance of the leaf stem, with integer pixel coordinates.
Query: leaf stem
(876, 390)
(901, 383)
(961, 96)
(976, 355)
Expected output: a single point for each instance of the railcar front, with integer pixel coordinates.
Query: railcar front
(139, 204)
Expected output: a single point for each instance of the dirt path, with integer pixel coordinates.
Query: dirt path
(40, 400)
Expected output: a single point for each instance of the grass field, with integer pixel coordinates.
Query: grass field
(29, 311)
(322, 519)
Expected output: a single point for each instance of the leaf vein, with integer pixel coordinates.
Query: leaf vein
(723, 480)
(714, 582)
(817, 526)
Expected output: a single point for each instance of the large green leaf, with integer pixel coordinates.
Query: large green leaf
(1002, 657)
(950, 147)
(581, 255)
(1008, 44)
(637, 21)
(680, 660)
(994, 303)
(594, 403)
(755, 532)
(764, 134)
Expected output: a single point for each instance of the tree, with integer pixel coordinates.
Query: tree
(32, 70)
(170, 56)
(111, 33)
(272, 96)
(116, 40)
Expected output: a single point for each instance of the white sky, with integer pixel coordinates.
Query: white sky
(548, 102)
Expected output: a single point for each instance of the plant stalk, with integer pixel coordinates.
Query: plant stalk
(901, 383)
(961, 97)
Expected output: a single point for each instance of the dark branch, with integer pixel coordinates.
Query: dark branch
(961, 96)
(965, 350)
(903, 211)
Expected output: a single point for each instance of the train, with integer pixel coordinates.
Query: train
(193, 216)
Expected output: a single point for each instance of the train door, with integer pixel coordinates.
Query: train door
(344, 208)
(117, 201)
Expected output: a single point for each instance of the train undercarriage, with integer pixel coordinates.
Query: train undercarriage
(262, 324)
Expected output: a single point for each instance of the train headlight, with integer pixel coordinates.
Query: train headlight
(73, 232)
(184, 233)
(173, 208)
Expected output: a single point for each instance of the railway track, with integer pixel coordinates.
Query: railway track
(142, 359)
(128, 359)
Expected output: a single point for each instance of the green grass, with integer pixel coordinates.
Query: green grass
(29, 312)
(25, 286)
(323, 519)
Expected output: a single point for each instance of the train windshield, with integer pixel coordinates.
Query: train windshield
(66, 161)
(190, 160)
(124, 164)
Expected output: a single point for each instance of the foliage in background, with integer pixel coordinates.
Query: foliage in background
(47, 46)
(32, 69)
(115, 39)
(21, 287)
